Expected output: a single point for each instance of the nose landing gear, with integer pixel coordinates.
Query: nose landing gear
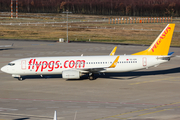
(19, 77)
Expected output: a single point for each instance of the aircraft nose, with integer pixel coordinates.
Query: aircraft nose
(4, 69)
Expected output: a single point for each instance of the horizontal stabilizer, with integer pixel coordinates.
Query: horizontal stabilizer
(169, 54)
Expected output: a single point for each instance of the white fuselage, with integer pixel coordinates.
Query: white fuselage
(55, 65)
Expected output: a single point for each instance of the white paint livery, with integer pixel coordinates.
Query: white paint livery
(72, 67)
(93, 64)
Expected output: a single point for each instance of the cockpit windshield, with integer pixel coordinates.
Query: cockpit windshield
(11, 64)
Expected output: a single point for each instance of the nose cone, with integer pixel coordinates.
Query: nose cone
(4, 69)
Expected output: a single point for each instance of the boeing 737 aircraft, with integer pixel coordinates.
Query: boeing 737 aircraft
(73, 67)
(5, 46)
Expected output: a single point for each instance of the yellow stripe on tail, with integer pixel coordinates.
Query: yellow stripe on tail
(162, 43)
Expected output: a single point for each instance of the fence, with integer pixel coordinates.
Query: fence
(134, 20)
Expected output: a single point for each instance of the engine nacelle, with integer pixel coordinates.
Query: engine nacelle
(71, 74)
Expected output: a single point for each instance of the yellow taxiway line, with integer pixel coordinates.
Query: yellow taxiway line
(118, 115)
(156, 80)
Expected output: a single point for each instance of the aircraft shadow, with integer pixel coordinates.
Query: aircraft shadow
(21, 119)
(125, 75)
(136, 74)
(1, 49)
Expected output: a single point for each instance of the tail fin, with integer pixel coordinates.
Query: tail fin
(55, 117)
(162, 43)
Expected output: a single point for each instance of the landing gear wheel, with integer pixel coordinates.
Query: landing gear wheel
(91, 76)
(20, 79)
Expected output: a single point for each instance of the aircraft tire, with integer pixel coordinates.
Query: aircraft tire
(91, 77)
(20, 79)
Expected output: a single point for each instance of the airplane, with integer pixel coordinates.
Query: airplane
(73, 67)
(2, 46)
(55, 116)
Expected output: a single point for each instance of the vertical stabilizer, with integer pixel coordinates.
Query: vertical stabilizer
(55, 117)
(162, 43)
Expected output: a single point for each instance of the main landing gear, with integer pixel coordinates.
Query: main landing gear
(91, 76)
(20, 78)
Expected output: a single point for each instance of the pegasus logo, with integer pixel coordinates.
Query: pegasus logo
(158, 42)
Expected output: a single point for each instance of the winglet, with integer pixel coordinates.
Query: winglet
(162, 43)
(113, 65)
(113, 51)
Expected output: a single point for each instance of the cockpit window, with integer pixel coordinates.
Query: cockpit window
(11, 64)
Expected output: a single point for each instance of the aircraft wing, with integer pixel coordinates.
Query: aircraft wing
(91, 70)
(99, 69)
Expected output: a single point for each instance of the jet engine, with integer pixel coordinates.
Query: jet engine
(71, 74)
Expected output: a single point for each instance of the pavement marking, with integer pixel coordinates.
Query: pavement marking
(151, 112)
(158, 111)
(121, 114)
(156, 80)
(154, 112)
(174, 80)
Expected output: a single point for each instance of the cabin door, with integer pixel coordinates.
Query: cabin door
(23, 64)
(144, 61)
